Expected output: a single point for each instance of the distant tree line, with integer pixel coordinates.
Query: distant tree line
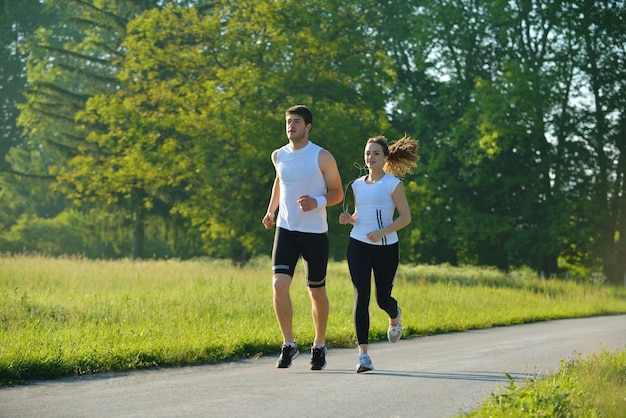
(143, 128)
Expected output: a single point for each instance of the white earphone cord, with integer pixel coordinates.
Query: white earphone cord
(362, 170)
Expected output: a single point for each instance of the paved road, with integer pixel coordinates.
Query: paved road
(437, 376)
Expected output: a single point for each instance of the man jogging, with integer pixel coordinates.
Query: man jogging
(307, 181)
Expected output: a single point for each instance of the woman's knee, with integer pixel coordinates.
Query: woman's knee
(385, 302)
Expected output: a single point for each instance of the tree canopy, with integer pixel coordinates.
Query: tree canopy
(159, 117)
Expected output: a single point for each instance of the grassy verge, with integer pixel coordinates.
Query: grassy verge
(61, 317)
(584, 387)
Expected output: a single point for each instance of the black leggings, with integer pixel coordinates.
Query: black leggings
(363, 259)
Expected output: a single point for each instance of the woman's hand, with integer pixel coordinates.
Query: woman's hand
(346, 218)
(376, 235)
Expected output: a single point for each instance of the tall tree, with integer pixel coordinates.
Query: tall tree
(514, 109)
(439, 50)
(24, 180)
(511, 153)
(16, 21)
(599, 27)
(70, 58)
(202, 107)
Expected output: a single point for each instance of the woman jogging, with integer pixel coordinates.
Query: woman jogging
(373, 245)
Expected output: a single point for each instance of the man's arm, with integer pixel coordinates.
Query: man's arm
(268, 220)
(334, 187)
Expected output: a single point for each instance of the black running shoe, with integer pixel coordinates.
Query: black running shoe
(318, 358)
(287, 353)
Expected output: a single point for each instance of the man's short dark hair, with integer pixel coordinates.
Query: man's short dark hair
(303, 111)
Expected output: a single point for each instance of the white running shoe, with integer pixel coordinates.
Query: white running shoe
(365, 364)
(394, 332)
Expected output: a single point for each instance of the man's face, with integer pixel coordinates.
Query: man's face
(295, 127)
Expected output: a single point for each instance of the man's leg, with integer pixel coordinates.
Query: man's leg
(284, 258)
(315, 255)
(319, 310)
(282, 305)
(284, 314)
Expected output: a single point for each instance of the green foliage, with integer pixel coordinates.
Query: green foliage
(189, 79)
(16, 20)
(47, 236)
(491, 90)
(584, 387)
(166, 113)
(76, 233)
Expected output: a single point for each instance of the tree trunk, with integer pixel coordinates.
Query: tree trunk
(138, 233)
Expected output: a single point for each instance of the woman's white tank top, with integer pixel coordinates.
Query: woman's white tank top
(374, 208)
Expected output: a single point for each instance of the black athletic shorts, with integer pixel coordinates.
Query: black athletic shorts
(290, 245)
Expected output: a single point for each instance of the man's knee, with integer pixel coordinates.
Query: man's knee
(318, 293)
(281, 283)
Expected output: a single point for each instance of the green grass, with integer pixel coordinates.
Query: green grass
(63, 317)
(584, 387)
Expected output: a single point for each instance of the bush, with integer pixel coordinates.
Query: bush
(71, 233)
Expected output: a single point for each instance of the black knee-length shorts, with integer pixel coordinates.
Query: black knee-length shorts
(314, 248)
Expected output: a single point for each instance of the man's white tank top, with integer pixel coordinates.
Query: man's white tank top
(375, 208)
(299, 174)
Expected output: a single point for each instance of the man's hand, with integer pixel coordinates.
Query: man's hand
(268, 221)
(307, 203)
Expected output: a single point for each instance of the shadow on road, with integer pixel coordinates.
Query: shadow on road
(471, 376)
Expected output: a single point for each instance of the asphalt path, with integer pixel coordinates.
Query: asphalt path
(435, 376)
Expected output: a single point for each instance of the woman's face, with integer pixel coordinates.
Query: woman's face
(374, 156)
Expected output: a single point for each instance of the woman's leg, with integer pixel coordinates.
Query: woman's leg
(385, 265)
(360, 273)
